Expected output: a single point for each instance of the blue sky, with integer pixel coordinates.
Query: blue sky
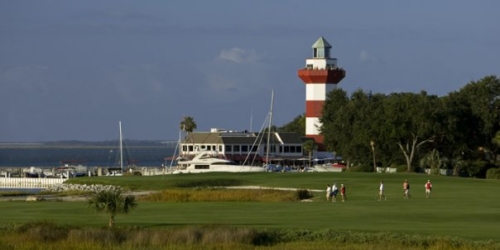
(70, 70)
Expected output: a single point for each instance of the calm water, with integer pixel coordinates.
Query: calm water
(88, 156)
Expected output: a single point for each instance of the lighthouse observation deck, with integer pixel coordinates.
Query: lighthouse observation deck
(321, 75)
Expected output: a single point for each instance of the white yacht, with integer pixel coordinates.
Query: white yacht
(205, 162)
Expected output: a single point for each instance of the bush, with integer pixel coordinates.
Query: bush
(43, 231)
(401, 168)
(493, 173)
(361, 168)
(303, 194)
(135, 173)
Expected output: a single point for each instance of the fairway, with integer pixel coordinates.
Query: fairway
(458, 207)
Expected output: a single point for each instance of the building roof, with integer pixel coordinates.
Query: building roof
(321, 43)
(203, 137)
(242, 138)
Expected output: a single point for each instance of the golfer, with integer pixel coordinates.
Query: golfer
(381, 192)
(406, 189)
(428, 189)
(328, 192)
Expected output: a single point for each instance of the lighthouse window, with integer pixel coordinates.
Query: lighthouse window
(321, 53)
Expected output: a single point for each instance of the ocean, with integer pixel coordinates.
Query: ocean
(98, 156)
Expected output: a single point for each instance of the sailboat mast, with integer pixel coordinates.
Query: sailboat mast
(176, 148)
(121, 145)
(269, 127)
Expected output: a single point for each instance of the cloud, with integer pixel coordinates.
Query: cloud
(366, 57)
(234, 74)
(239, 55)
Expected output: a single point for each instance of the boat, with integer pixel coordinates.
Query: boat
(118, 171)
(208, 161)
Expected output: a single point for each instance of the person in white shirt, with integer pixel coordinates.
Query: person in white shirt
(381, 192)
(328, 192)
(335, 191)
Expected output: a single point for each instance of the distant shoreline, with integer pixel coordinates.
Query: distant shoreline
(15, 146)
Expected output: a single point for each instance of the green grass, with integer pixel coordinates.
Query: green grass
(465, 208)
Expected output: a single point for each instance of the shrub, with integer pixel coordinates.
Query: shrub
(135, 173)
(361, 168)
(401, 168)
(303, 194)
(493, 173)
(44, 231)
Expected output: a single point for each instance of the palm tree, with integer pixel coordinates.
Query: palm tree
(188, 124)
(458, 164)
(111, 202)
(309, 147)
(433, 160)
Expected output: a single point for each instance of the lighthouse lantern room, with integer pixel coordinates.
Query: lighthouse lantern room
(321, 75)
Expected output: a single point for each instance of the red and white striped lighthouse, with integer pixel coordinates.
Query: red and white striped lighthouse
(321, 75)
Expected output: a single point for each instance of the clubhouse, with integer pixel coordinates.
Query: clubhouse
(241, 145)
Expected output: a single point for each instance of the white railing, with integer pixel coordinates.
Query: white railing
(29, 182)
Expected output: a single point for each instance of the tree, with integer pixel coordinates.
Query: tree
(298, 125)
(188, 124)
(111, 202)
(433, 160)
(411, 122)
(309, 147)
(458, 165)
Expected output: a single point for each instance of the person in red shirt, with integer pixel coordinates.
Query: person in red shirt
(428, 188)
(342, 192)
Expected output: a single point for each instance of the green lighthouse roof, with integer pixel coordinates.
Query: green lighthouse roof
(321, 43)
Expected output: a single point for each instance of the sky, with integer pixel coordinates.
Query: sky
(71, 70)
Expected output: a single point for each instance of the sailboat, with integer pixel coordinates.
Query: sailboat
(115, 171)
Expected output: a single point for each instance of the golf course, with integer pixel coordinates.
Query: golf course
(461, 213)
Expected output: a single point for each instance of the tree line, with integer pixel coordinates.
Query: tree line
(410, 131)
(459, 131)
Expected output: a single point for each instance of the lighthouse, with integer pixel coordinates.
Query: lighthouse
(320, 75)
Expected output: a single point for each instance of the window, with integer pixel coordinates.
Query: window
(320, 53)
(190, 148)
(229, 148)
(236, 148)
(220, 148)
(244, 148)
(254, 148)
